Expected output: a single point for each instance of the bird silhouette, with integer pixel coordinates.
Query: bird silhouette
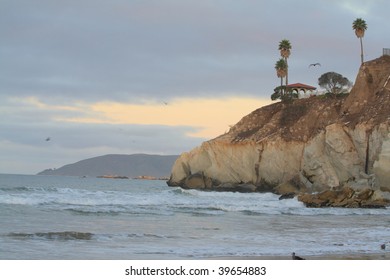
(315, 64)
(48, 139)
(295, 257)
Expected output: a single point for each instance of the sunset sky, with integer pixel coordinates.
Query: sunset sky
(158, 76)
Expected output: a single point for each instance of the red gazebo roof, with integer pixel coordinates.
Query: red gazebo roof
(299, 85)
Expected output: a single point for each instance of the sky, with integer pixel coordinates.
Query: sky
(158, 76)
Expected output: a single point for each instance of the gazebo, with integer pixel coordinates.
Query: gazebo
(301, 88)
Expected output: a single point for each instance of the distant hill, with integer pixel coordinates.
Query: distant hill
(119, 165)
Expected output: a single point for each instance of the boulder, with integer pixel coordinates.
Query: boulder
(346, 197)
(312, 201)
(287, 196)
(365, 194)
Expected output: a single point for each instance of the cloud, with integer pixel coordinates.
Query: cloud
(360, 8)
(210, 116)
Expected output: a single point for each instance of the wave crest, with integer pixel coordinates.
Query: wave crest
(62, 235)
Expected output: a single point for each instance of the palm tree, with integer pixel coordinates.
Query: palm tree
(360, 26)
(281, 70)
(285, 51)
(285, 48)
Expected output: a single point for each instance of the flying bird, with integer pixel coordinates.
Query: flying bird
(48, 139)
(315, 64)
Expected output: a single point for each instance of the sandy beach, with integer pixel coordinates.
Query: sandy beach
(348, 256)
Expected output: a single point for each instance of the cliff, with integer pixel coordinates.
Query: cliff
(306, 145)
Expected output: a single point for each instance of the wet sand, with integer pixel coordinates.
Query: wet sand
(350, 256)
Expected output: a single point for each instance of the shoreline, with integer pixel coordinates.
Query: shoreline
(342, 256)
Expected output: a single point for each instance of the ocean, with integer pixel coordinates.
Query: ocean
(58, 217)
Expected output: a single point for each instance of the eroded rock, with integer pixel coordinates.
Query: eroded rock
(326, 142)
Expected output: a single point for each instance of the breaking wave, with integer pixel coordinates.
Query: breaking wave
(63, 235)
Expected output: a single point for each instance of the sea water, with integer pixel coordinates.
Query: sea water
(55, 217)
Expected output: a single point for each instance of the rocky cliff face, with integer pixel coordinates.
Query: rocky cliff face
(308, 145)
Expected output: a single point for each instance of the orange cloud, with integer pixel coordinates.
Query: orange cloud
(211, 116)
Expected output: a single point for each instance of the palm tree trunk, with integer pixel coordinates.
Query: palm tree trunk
(286, 74)
(361, 48)
(281, 85)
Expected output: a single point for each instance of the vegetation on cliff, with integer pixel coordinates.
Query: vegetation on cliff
(301, 119)
(334, 83)
(282, 68)
(360, 27)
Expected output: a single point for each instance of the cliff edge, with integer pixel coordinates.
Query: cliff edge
(304, 146)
